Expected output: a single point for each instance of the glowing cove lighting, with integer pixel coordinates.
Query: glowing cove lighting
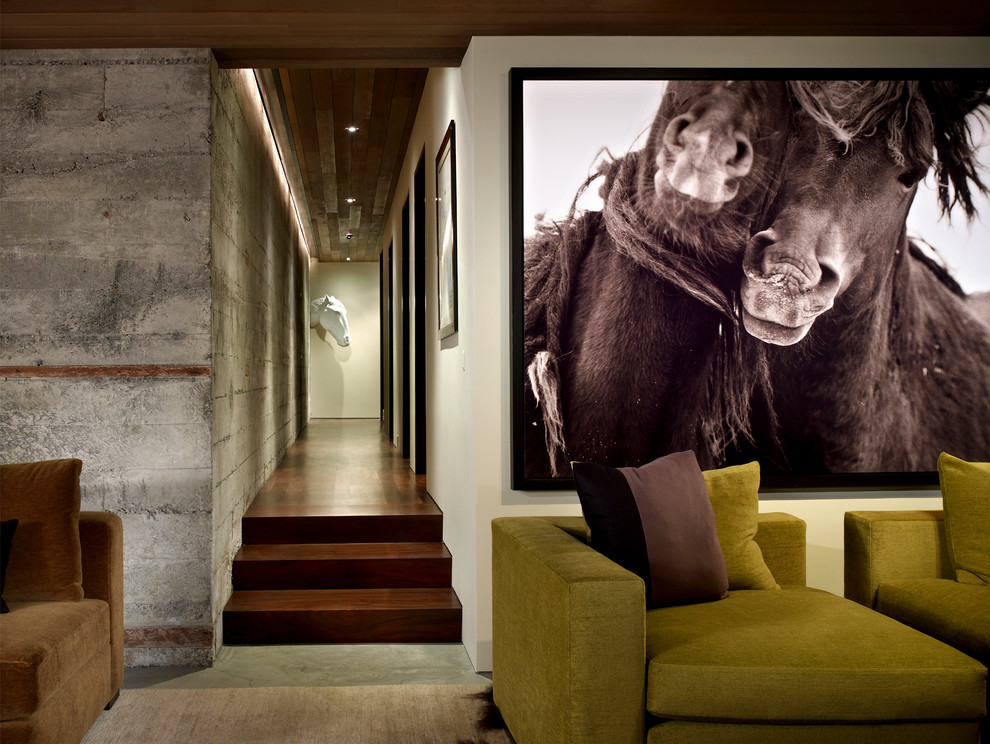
(260, 102)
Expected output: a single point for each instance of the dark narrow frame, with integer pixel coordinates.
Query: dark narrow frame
(419, 308)
(405, 443)
(446, 183)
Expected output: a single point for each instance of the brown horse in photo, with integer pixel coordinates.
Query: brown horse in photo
(876, 361)
(633, 346)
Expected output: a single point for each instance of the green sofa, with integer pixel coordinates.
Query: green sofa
(898, 563)
(577, 658)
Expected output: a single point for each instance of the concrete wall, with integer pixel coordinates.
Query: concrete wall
(260, 316)
(135, 239)
(344, 382)
(105, 261)
(469, 377)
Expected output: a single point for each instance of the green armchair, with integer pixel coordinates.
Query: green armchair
(898, 563)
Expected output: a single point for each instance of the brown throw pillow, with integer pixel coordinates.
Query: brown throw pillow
(45, 561)
(656, 521)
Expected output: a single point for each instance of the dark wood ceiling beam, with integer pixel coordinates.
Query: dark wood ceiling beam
(339, 58)
(449, 24)
(491, 18)
(447, 9)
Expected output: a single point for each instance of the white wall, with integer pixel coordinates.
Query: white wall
(468, 375)
(450, 429)
(344, 382)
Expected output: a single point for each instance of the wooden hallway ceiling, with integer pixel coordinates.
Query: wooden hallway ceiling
(364, 62)
(350, 177)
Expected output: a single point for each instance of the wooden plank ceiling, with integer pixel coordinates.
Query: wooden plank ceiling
(364, 64)
(350, 176)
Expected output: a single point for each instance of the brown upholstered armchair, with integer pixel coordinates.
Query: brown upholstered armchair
(61, 642)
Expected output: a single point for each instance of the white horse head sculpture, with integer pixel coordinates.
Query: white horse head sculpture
(330, 314)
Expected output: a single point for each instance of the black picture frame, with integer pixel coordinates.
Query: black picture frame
(446, 201)
(522, 213)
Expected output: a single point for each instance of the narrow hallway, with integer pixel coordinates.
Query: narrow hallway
(342, 545)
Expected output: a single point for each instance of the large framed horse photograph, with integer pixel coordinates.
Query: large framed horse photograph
(753, 267)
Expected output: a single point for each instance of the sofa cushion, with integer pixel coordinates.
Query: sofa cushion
(734, 493)
(45, 560)
(42, 644)
(656, 521)
(802, 656)
(720, 732)
(966, 500)
(953, 612)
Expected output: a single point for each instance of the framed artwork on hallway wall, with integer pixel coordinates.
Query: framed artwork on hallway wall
(447, 235)
(752, 267)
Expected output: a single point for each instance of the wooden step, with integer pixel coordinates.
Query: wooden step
(342, 566)
(401, 523)
(343, 616)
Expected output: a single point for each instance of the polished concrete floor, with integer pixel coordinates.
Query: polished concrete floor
(339, 665)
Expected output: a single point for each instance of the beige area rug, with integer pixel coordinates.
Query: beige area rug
(403, 714)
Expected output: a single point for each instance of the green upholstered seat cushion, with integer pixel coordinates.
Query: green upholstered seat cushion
(720, 732)
(953, 612)
(734, 493)
(966, 501)
(801, 656)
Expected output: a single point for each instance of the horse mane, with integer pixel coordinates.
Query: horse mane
(939, 270)
(950, 103)
(926, 123)
(739, 366)
(553, 257)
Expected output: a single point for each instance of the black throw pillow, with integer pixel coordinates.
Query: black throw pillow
(6, 537)
(656, 521)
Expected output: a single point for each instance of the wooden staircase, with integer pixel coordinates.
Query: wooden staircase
(353, 569)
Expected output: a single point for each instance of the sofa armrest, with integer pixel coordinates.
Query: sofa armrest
(569, 637)
(783, 541)
(102, 537)
(884, 546)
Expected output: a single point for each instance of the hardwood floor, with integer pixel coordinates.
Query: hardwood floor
(337, 463)
(342, 545)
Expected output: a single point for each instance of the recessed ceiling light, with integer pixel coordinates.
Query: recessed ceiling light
(352, 129)
(350, 200)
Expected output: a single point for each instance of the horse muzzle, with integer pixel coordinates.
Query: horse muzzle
(703, 158)
(783, 290)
